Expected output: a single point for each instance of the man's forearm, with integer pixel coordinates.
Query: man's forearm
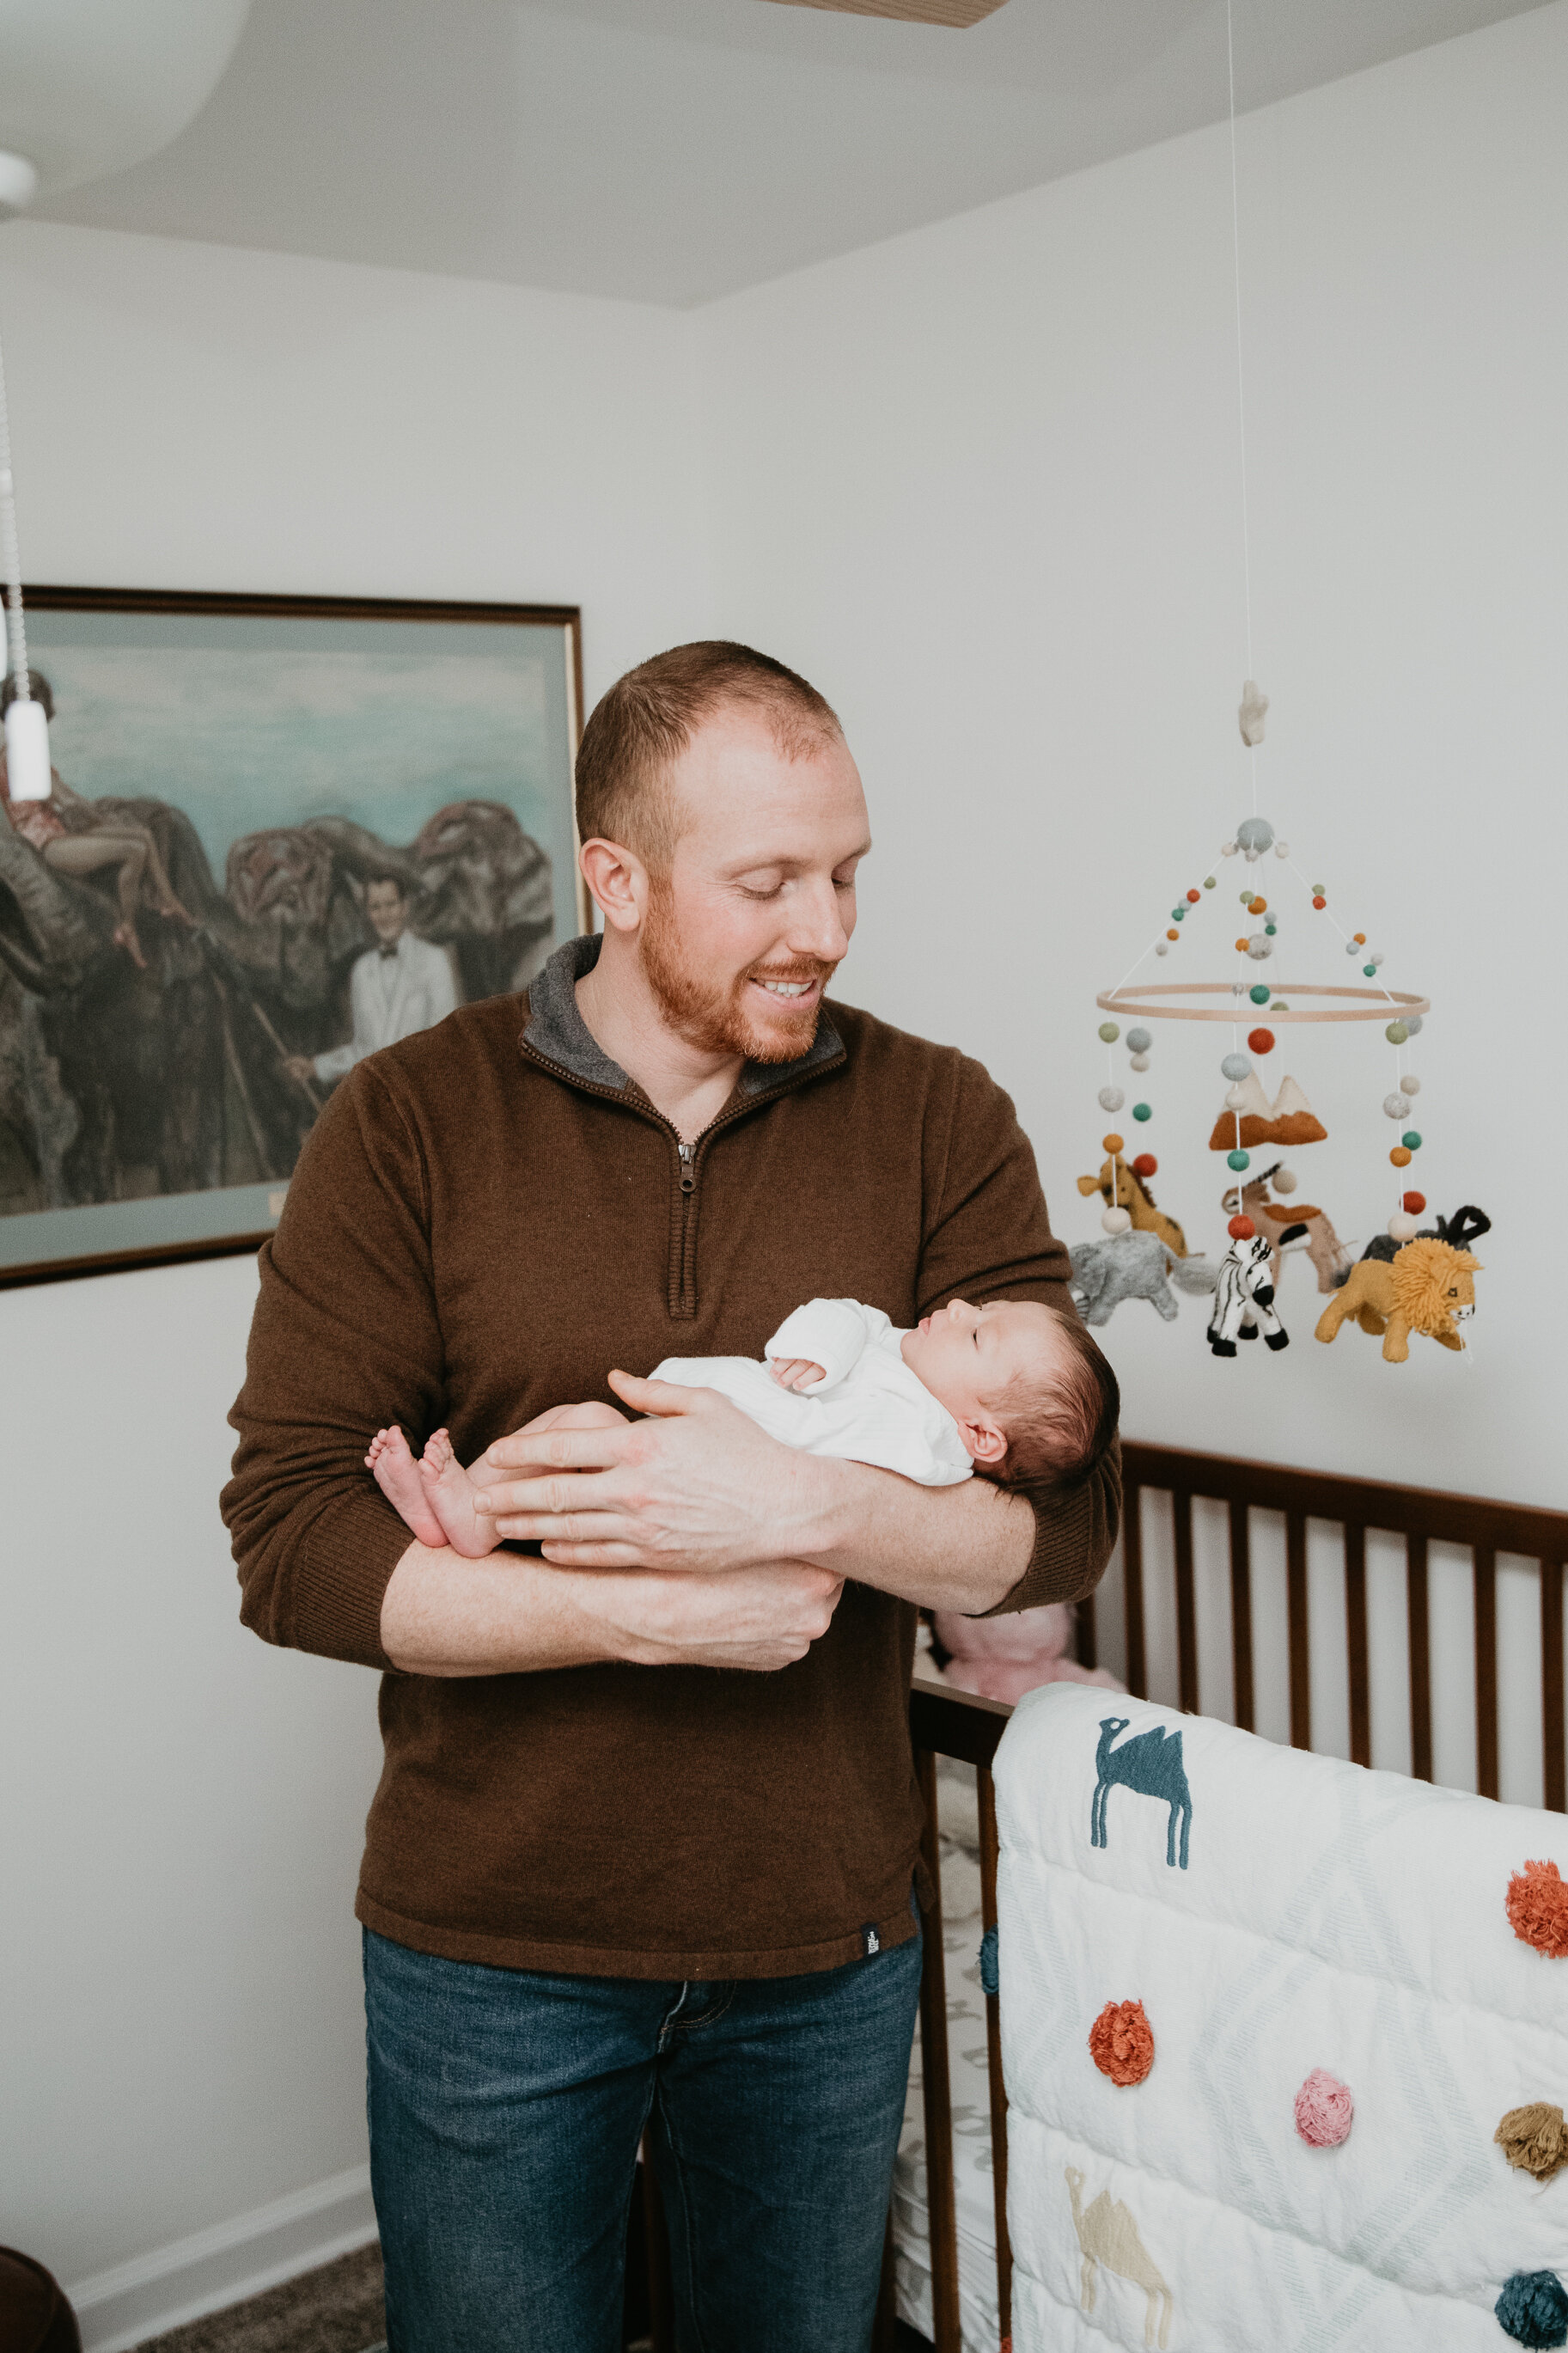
(442, 1615)
(944, 1547)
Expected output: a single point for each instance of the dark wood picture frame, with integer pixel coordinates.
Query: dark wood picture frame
(42, 603)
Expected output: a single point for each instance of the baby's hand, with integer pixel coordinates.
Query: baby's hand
(793, 1372)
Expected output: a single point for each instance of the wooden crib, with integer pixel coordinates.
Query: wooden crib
(945, 1722)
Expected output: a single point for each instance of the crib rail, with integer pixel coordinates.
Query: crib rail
(1417, 1513)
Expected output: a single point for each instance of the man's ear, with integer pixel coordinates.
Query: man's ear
(617, 882)
(985, 1442)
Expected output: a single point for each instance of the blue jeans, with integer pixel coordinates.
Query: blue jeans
(506, 2108)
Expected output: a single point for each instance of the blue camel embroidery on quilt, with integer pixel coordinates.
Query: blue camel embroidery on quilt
(1150, 1763)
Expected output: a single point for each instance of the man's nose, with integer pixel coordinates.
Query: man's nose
(818, 928)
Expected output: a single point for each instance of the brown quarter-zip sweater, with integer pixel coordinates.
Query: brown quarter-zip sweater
(485, 1220)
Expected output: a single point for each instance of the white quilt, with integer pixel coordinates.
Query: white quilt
(1326, 1917)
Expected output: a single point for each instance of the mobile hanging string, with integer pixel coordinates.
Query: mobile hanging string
(28, 774)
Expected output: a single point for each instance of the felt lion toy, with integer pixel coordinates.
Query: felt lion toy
(1424, 1287)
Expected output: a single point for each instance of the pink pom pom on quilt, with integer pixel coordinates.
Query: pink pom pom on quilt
(1324, 2110)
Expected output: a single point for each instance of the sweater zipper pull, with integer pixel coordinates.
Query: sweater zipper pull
(688, 1176)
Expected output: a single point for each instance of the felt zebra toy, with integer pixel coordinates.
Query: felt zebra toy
(1244, 1296)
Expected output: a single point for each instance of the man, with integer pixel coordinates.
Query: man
(398, 988)
(602, 1888)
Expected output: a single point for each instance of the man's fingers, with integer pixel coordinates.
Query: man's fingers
(563, 1447)
(660, 1397)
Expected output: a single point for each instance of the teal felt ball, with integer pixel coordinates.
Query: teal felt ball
(1369, 970)
(1238, 1161)
(1534, 2308)
(1271, 929)
(1110, 1032)
(1411, 1139)
(1259, 994)
(1141, 1110)
(1178, 915)
(1396, 1033)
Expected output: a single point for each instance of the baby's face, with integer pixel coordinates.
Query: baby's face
(964, 1354)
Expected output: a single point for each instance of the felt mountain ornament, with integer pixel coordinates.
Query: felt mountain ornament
(1288, 1119)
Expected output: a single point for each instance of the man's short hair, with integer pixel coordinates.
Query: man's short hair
(396, 880)
(647, 720)
(38, 686)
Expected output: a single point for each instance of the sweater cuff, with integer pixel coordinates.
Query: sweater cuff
(350, 1554)
(1075, 1536)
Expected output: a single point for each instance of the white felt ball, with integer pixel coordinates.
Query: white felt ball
(1138, 1061)
(1281, 850)
(1162, 948)
(1403, 1227)
(1235, 1098)
(1285, 1180)
(1374, 960)
(1228, 849)
(1112, 1099)
(1411, 1086)
(1352, 949)
(1116, 1222)
(1394, 1106)
(1259, 946)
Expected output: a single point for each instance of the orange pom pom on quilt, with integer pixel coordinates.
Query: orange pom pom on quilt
(1121, 2042)
(1538, 1908)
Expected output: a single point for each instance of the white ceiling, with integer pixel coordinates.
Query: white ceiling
(670, 151)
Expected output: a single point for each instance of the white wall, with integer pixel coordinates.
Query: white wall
(183, 2042)
(982, 485)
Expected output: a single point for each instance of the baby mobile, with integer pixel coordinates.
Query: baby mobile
(1411, 1278)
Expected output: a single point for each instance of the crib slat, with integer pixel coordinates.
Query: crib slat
(1241, 1612)
(1554, 1760)
(986, 1791)
(1132, 1576)
(1357, 1657)
(1187, 1604)
(885, 2321)
(1420, 1639)
(1088, 1644)
(1301, 1651)
(1484, 1575)
(936, 2088)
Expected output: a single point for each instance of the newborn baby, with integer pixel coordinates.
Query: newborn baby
(1013, 1390)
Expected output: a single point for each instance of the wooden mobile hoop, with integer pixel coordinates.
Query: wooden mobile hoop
(1373, 1004)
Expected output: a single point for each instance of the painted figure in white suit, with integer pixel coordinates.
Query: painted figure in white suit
(400, 986)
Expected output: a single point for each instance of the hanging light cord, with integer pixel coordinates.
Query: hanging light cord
(11, 554)
(1240, 373)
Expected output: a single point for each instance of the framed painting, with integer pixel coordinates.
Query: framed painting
(285, 831)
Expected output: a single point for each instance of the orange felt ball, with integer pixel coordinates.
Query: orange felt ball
(1241, 1229)
(1241, 947)
(1261, 906)
(1121, 2042)
(1260, 1040)
(1400, 1156)
(1415, 1203)
(1319, 903)
(1193, 898)
(1173, 934)
(1145, 1165)
(1537, 1909)
(1360, 939)
(1110, 1143)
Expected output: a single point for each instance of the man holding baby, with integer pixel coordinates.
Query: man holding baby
(644, 1848)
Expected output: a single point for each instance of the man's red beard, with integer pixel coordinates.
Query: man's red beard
(716, 1019)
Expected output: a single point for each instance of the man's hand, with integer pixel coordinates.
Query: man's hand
(300, 1066)
(696, 1486)
(794, 1372)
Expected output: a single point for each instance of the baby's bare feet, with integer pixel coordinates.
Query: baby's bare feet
(398, 1476)
(450, 1494)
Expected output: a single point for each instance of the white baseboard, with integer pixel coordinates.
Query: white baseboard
(120, 2308)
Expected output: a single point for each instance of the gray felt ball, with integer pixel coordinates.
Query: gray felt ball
(1412, 1027)
(1396, 1106)
(1259, 945)
(1139, 1040)
(1255, 834)
(1236, 1066)
(1112, 1099)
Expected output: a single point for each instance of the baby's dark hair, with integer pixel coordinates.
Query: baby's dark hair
(1058, 1437)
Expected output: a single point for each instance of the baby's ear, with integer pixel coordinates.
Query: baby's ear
(985, 1442)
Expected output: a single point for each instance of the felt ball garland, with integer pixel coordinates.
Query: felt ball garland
(1534, 2139)
(1121, 2042)
(1537, 1904)
(1534, 2308)
(1324, 2110)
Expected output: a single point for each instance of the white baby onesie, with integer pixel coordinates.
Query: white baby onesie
(868, 1408)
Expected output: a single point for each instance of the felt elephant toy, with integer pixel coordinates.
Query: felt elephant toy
(1132, 1266)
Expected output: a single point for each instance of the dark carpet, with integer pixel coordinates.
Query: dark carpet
(336, 2309)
